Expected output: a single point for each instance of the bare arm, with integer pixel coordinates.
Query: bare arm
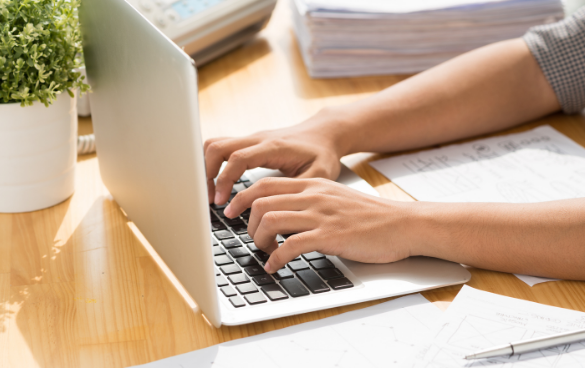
(540, 239)
(486, 90)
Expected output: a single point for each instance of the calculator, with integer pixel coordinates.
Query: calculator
(206, 29)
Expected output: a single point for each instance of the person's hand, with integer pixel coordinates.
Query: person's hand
(307, 150)
(325, 216)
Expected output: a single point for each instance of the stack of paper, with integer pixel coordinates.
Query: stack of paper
(371, 37)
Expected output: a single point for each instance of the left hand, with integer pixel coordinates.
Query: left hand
(325, 216)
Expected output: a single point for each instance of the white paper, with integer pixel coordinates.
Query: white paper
(534, 166)
(380, 336)
(533, 280)
(480, 320)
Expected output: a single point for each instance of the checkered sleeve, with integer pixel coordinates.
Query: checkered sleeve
(559, 49)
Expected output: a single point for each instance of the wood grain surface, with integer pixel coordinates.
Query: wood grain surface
(78, 287)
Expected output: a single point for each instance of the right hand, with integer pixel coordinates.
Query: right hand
(307, 150)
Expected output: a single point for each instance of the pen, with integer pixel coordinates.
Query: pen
(521, 347)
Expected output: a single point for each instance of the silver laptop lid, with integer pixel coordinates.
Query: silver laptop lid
(145, 117)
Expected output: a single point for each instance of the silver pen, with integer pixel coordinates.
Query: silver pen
(521, 347)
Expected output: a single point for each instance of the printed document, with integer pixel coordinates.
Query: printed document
(534, 166)
(479, 320)
(384, 335)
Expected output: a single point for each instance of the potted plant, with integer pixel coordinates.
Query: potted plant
(40, 48)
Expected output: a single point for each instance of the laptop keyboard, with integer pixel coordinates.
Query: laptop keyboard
(240, 274)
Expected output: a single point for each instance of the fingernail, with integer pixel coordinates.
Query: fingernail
(217, 197)
(267, 267)
(228, 211)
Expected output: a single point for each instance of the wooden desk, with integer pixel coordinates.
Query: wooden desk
(77, 287)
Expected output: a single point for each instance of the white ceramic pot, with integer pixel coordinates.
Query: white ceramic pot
(38, 152)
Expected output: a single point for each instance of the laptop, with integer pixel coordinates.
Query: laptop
(150, 152)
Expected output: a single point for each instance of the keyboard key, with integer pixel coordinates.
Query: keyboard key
(283, 273)
(218, 251)
(223, 234)
(238, 278)
(279, 239)
(218, 207)
(234, 222)
(234, 191)
(220, 214)
(246, 214)
(286, 236)
(321, 264)
(294, 287)
(254, 270)
(217, 273)
(255, 298)
(216, 226)
(330, 273)
(238, 252)
(342, 283)
(221, 281)
(230, 269)
(228, 291)
(298, 265)
(313, 256)
(239, 187)
(262, 256)
(231, 243)
(313, 282)
(222, 260)
(237, 301)
(248, 184)
(244, 179)
(247, 261)
(246, 238)
(240, 229)
(246, 288)
(252, 247)
(214, 242)
(263, 280)
(274, 292)
(212, 217)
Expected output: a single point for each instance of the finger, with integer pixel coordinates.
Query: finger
(283, 202)
(261, 155)
(219, 150)
(318, 170)
(281, 222)
(293, 247)
(263, 188)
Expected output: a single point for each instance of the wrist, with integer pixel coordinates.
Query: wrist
(337, 126)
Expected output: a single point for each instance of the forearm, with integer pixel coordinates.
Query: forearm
(541, 239)
(488, 89)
